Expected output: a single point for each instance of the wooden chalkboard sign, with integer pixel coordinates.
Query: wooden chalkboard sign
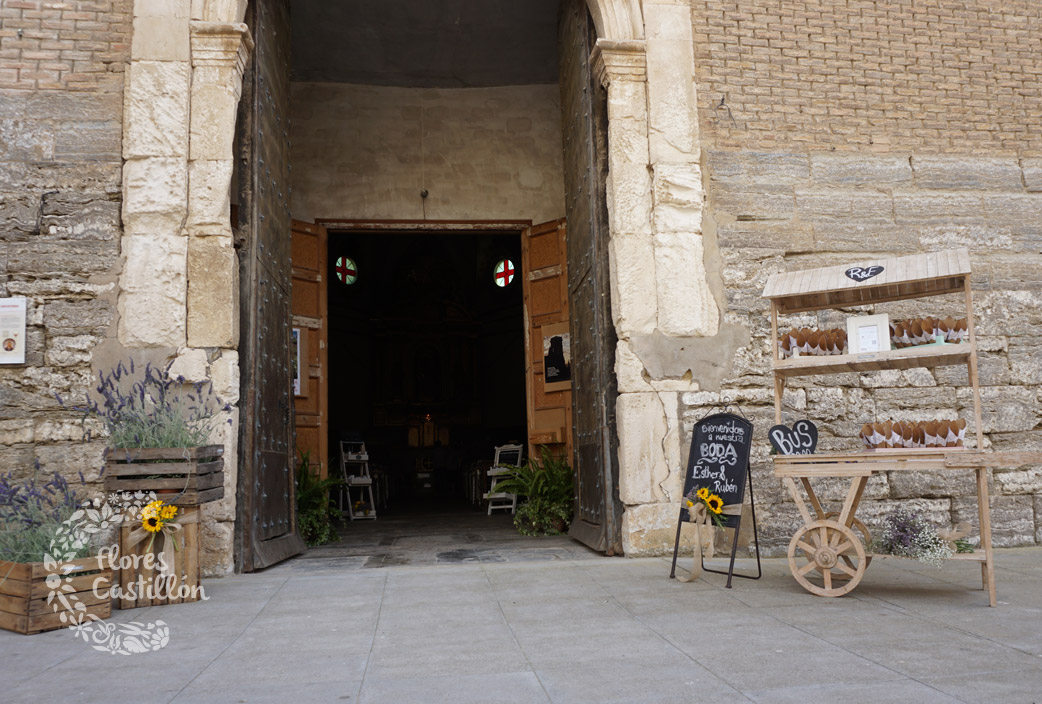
(800, 439)
(863, 273)
(719, 460)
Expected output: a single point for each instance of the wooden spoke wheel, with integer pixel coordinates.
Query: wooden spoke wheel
(828, 553)
(866, 537)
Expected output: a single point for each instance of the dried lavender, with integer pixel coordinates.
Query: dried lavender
(154, 410)
(30, 514)
(908, 534)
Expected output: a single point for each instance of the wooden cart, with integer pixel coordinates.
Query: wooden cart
(828, 554)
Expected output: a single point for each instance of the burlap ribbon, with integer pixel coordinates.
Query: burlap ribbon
(950, 535)
(165, 540)
(704, 534)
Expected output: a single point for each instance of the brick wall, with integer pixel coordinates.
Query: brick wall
(929, 75)
(60, 165)
(67, 46)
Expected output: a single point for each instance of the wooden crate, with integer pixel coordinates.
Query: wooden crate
(191, 476)
(141, 584)
(23, 594)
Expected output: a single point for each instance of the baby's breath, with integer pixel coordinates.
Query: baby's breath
(908, 534)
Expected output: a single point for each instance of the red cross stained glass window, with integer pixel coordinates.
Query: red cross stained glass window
(504, 272)
(346, 270)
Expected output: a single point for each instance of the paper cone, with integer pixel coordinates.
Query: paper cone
(930, 431)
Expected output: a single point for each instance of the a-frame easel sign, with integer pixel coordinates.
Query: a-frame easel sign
(719, 462)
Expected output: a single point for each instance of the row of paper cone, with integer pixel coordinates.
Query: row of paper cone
(816, 342)
(922, 331)
(914, 433)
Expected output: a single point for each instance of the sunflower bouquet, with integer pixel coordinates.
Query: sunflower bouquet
(713, 503)
(159, 517)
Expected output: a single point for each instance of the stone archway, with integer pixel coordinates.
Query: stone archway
(179, 289)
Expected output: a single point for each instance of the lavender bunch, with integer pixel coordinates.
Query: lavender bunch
(30, 514)
(154, 409)
(908, 534)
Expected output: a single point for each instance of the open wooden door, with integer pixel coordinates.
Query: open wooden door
(594, 386)
(544, 269)
(309, 343)
(266, 515)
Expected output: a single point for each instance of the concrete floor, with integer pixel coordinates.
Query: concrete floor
(562, 629)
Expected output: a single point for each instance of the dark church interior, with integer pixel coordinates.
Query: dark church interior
(426, 361)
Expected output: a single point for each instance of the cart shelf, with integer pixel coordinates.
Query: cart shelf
(975, 556)
(907, 358)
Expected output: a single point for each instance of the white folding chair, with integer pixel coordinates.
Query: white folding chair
(505, 455)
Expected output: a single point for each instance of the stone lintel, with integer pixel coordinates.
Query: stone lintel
(619, 61)
(215, 44)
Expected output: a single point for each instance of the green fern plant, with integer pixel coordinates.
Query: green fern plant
(548, 491)
(317, 518)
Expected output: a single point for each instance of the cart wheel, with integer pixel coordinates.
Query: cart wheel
(828, 552)
(866, 537)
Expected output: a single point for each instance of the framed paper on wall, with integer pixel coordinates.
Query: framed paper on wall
(557, 357)
(299, 359)
(868, 333)
(12, 331)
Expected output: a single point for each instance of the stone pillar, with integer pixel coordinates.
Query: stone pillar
(659, 284)
(219, 54)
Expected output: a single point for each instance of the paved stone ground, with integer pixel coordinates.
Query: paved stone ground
(564, 630)
(425, 537)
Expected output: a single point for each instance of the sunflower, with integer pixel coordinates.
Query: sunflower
(690, 503)
(702, 493)
(168, 512)
(715, 503)
(151, 523)
(151, 509)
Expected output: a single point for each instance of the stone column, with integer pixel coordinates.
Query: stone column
(659, 287)
(219, 55)
(621, 66)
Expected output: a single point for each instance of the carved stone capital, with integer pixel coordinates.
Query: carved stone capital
(619, 61)
(221, 45)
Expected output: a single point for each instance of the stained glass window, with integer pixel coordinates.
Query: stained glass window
(504, 273)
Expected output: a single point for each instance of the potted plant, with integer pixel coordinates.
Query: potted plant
(548, 488)
(159, 429)
(31, 515)
(316, 516)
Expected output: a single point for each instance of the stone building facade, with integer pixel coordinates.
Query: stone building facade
(744, 138)
(62, 70)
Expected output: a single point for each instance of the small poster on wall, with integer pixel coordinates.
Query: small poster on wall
(557, 357)
(297, 360)
(12, 331)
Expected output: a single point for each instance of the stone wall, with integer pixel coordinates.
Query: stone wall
(61, 81)
(782, 211)
(366, 152)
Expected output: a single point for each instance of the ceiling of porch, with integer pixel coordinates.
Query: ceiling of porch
(425, 43)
